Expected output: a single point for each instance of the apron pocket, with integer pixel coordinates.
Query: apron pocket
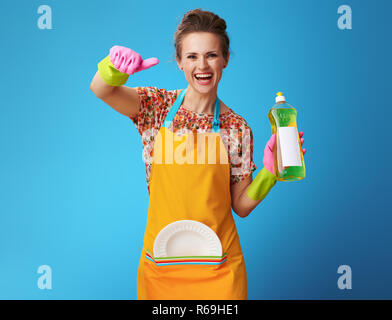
(187, 277)
(187, 260)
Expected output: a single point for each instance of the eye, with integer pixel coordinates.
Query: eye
(213, 55)
(192, 56)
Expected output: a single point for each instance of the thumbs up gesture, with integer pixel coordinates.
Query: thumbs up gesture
(128, 61)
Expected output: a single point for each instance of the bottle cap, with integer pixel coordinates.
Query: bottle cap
(280, 97)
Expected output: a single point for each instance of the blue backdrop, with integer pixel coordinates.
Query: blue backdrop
(73, 194)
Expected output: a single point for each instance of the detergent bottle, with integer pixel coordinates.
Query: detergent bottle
(288, 156)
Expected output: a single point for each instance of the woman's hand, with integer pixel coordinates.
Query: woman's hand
(128, 61)
(268, 159)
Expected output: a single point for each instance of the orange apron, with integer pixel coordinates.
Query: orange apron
(190, 180)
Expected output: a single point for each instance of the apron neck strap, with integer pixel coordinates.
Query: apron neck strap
(173, 111)
(216, 122)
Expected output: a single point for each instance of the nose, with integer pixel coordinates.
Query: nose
(203, 63)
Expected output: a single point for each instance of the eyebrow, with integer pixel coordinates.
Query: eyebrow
(206, 52)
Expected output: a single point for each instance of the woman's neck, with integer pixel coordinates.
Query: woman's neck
(200, 103)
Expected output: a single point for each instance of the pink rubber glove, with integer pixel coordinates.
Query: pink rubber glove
(128, 61)
(268, 160)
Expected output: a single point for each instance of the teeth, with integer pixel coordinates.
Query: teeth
(203, 75)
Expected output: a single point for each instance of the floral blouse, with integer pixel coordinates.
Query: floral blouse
(236, 134)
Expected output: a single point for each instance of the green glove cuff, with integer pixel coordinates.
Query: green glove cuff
(110, 74)
(261, 185)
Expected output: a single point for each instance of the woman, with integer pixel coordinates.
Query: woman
(185, 187)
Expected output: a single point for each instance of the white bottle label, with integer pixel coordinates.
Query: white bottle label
(289, 146)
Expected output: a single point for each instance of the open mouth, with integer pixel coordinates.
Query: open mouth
(203, 76)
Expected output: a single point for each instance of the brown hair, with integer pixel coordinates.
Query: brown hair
(198, 20)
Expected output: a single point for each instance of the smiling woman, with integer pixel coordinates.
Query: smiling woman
(202, 61)
(189, 124)
(202, 52)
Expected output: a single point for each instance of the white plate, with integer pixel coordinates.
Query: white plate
(187, 238)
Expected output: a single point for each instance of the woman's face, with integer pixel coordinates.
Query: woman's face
(202, 61)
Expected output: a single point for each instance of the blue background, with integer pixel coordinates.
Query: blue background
(73, 193)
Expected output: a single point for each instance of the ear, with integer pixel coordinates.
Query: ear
(179, 64)
(227, 60)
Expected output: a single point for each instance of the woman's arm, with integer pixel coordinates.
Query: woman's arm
(113, 72)
(240, 202)
(264, 181)
(123, 99)
(100, 88)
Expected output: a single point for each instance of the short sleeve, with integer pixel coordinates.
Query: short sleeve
(154, 105)
(241, 154)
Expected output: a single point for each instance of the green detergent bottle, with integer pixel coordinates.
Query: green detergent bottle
(288, 156)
